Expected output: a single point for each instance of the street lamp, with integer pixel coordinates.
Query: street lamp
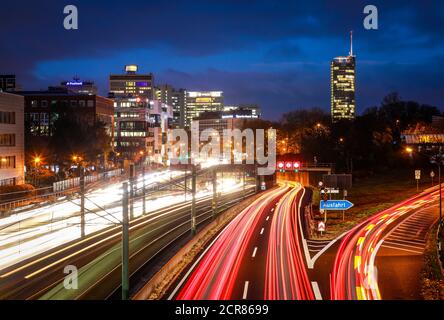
(37, 160)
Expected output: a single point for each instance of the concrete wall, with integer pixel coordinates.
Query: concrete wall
(301, 177)
(13, 103)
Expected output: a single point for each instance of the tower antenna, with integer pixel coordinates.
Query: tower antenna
(351, 43)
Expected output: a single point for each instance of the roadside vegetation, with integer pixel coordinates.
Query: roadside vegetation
(432, 278)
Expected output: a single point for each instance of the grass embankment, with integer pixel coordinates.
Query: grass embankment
(432, 279)
(373, 194)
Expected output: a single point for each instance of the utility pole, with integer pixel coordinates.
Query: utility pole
(144, 192)
(132, 174)
(255, 179)
(82, 200)
(193, 201)
(243, 184)
(214, 204)
(185, 184)
(125, 244)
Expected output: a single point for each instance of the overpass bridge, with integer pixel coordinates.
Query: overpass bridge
(303, 172)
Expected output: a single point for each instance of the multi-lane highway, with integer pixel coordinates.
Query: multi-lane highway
(256, 256)
(261, 254)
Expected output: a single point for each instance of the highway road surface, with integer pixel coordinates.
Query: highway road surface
(381, 257)
(257, 256)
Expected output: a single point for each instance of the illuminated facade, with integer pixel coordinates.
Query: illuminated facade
(81, 87)
(248, 111)
(343, 79)
(132, 84)
(199, 102)
(12, 157)
(141, 121)
(177, 100)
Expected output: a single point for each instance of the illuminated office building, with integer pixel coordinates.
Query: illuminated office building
(78, 86)
(199, 102)
(132, 84)
(12, 154)
(141, 121)
(343, 78)
(176, 98)
(247, 111)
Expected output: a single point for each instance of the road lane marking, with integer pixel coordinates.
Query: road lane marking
(193, 267)
(410, 224)
(398, 236)
(262, 231)
(304, 241)
(411, 242)
(317, 255)
(268, 217)
(411, 229)
(316, 245)
(403, 245)
(254, 252)
(316, 290)
(244, 296)
(402, 249)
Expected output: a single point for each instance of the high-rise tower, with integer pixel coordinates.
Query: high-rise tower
(343, 77)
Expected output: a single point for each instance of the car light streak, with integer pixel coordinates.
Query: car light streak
(286, 276)
(354, 272)
(215, 275)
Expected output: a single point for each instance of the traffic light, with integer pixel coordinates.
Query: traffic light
(288, 165)
(296, 166)
(280, 166)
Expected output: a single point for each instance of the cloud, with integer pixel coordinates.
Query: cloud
(275, 53)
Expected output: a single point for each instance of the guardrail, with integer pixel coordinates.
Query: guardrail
(75, 182)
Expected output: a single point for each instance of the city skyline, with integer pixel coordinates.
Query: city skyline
(278, 57)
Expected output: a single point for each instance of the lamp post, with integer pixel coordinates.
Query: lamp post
(37, 161)
(77, 161)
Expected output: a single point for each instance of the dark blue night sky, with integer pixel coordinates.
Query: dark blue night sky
(273, 53)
